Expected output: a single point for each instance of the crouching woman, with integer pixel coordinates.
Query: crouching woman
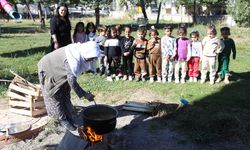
(58, 72)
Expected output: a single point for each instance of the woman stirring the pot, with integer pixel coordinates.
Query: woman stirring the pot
(58, 72)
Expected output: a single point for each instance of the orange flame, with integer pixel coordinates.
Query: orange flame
(90, 136)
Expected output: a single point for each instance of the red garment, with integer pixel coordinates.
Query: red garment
(193, 67)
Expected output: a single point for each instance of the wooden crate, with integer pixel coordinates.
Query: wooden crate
(25, 98)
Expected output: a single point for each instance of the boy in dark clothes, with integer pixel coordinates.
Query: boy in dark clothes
(127, 54)
(112, 51)
(224, 56)
(102, 29)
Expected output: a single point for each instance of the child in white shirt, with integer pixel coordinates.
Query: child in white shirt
(195, 48)
(212, 46)
(168, 52)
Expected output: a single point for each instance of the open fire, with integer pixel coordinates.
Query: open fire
(90, 136)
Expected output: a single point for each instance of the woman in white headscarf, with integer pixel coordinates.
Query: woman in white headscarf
(58, 72)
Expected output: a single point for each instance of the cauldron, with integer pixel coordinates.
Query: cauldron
(101, 118)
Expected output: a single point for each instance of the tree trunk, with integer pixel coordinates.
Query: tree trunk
(158, 15)
(143, 9)
(97, 14)
(41, 17)
(194, 16)
(28, 7)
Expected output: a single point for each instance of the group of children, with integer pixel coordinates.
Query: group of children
(169, 58)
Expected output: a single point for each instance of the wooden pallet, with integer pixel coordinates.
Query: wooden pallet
(25, 98)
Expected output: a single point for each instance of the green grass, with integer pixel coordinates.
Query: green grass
(216, 113)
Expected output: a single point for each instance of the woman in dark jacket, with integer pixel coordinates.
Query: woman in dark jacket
(60, 28)
(58, 72)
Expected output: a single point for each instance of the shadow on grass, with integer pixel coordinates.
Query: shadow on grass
(25, 53)
(223, 116)
(21, 29)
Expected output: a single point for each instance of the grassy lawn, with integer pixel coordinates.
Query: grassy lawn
(218, 112)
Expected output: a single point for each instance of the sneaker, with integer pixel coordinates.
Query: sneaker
(164, 80)
(202, 81)
(183, 81)
(143, 79)
(125, 78)
(190, 79)
(218, 80)
(117, 78)
(151, 80)
(67, 125)
(211, 82)
(195, 79)
(169, 80)
(109, 78)
(119, 75)
(177, 81)
(159, 79)
(226, 81)
(130, 78)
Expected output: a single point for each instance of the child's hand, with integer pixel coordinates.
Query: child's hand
(234, 56)
(168, 57)
(56, 45)
(172, 57)
(89, 96)
(126, 53)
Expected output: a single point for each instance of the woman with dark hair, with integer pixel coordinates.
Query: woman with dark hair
(60, 28)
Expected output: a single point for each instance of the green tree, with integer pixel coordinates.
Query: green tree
(240, 11)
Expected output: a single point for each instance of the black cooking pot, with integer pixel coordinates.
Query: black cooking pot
(101, 118)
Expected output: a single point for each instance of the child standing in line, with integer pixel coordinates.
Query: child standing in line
(112, 51)
(224, 56)
(90, 31)
(119, 31)
(139, 49)
(211, 47)
(102, 29)
(182, 55)
(91, 36)
(79, 34)
(127, 54)
(195, 49)
(154, 48)
(168, 52)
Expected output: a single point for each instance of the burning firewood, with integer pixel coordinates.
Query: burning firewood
(90, 136)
